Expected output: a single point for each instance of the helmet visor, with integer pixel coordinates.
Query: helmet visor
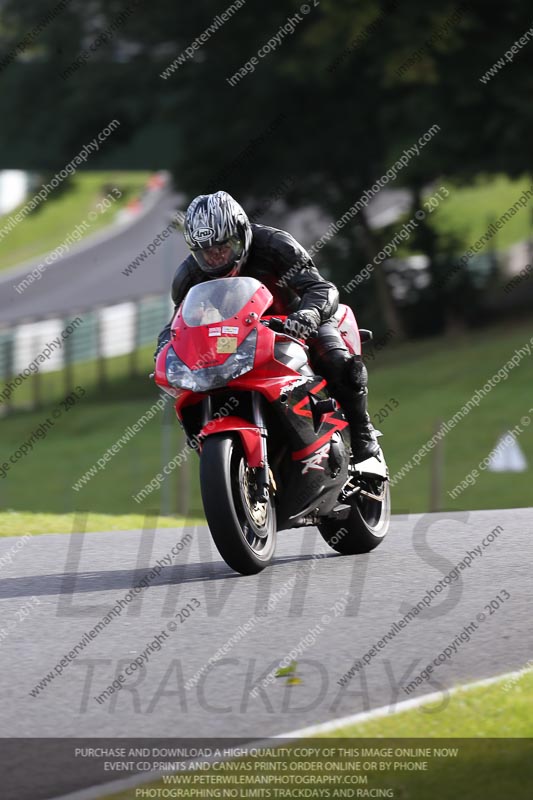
(220, 258)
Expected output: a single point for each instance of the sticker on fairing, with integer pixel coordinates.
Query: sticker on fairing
(227, 344)
(314, 461)
(215, 332)
(230, 329)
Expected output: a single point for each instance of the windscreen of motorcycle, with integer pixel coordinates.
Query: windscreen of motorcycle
(217, 300)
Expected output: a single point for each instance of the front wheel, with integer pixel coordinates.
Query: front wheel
(368, 521)
(244, 530)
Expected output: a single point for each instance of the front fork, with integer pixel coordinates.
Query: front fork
(262, 479)
(261, 494)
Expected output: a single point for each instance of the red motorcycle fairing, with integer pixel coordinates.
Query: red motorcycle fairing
(332, 421)
(250, 436)
(290, 395)
(308, 443)
(349, 329)
(319, 450)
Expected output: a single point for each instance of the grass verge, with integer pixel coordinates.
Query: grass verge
(43, 480)
(18, 523)
(469, 210)
(430, 381)
(503, 709)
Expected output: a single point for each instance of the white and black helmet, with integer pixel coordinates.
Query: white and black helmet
(218, 234)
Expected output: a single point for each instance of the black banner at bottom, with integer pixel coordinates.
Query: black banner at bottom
(326, 769)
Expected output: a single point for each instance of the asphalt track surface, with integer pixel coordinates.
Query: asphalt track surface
(78, 578)
(92, 275)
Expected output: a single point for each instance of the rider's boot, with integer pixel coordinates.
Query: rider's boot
(362, 433)
(355, 407)
(347, 379)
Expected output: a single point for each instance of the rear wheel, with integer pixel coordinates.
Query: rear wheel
(243, 529)
(368, 521)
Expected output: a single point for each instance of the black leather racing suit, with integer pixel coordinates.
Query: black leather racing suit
(287, 270)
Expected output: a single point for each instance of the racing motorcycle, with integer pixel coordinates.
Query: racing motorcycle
(274, 445)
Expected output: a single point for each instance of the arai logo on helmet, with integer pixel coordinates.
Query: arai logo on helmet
(203, 234)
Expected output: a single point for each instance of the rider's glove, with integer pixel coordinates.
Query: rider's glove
(162, 340)
(302, 324)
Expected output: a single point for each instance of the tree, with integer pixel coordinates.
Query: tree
(344, 90)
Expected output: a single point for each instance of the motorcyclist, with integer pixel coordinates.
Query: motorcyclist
(223, 243)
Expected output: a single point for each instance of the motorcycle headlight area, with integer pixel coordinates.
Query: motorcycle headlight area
(206, 378)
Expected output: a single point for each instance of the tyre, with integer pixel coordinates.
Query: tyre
(244, 531)
(367, 524)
